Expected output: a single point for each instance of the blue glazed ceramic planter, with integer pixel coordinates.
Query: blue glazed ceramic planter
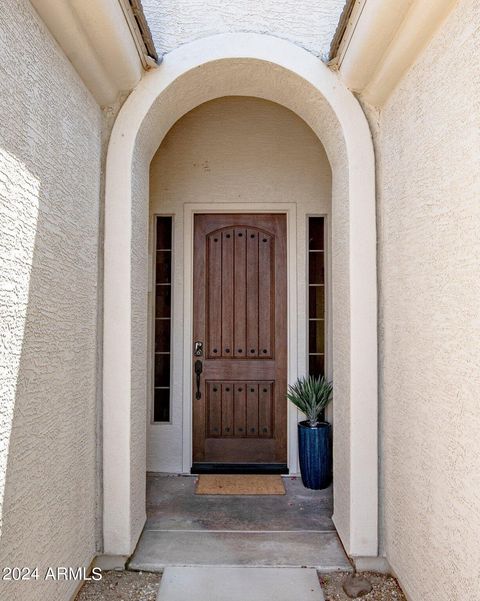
(315, 452)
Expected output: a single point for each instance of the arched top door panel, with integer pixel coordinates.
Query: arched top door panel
(240, 284)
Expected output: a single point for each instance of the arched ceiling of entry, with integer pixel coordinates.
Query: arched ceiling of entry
(242, 77)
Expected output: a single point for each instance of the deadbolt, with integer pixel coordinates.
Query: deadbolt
(198, 349)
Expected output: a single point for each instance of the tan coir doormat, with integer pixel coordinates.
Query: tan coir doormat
(211, 484)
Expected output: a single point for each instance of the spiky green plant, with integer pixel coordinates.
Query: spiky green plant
(311, 395)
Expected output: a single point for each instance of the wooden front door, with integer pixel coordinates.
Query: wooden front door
(240, 342)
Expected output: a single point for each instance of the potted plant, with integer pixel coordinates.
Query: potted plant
(311, 395)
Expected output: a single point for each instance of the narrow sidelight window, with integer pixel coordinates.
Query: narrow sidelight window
(316, 296)
(163, 319)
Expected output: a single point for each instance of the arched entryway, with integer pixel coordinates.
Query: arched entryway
(263, 67)
(233, 154)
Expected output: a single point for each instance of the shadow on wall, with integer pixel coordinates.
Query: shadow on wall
(47, 378)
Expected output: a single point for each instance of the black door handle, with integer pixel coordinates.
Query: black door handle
(198, 371)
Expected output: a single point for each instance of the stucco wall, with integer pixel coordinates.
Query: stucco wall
(428, 152)
(139, 345)
(310, 25)
(49, 201)
(234, 149)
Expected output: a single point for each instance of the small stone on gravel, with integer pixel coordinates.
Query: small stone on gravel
(356, 585)
(384, 588)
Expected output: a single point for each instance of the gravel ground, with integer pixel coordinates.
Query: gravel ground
(121, 586)
(385, 588)
(143, 586)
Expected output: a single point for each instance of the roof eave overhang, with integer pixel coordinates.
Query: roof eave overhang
(107, 41)
(378, 40)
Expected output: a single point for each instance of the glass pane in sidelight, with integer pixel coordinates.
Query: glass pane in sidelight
(316, 301)
(164, 232)
(316, 272)
(162, 301)
(316, 365)
(316, 233)
(162, 370)
(316, 336)
(162, 335)
(163, 267)
(161, 405)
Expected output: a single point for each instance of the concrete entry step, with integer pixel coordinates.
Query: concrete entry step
(158, 550)
(184, 529)
(238, 584)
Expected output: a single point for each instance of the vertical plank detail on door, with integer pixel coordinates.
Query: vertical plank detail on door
(240, 408)
(252, 293)
(227, 271)
(214, 294)
(227, 409)
(265, 295)
(240, 293)
(265, 409)
(214, 409)
(252, 409)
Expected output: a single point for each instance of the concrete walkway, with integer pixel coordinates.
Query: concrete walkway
(184, 529)
(239, 584)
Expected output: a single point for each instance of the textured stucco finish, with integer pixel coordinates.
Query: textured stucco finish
(428, 153)
(139, 339)
(275, 70)
(310, 25)
(49, 199)
(232, 150)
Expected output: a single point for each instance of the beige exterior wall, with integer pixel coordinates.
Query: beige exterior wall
(50, 143)
(428, 154)
(232, 150)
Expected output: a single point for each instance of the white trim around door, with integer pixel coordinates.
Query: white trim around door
(190, 210)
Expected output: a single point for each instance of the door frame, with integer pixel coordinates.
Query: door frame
(189, 211)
